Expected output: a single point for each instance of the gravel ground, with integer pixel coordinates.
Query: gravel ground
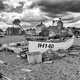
(66, 68)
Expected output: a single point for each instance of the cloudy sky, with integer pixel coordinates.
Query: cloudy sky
(36, 10)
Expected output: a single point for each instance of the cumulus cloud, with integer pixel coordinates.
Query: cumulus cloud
(8, 17)
(34, 14)
(52, 7)
(12, 3)
(23, 9)
(36, 10)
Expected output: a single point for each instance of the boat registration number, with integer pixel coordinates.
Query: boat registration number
(45, 45)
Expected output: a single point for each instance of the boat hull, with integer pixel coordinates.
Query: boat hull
(37, 46)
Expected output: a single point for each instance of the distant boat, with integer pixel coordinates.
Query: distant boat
(39, 46)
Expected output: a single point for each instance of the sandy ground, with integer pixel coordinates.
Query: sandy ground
(66, 68)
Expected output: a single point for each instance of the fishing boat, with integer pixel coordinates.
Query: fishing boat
(44, 40)
(42, 46)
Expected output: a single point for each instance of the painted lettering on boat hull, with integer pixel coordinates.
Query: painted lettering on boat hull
(45, 45)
